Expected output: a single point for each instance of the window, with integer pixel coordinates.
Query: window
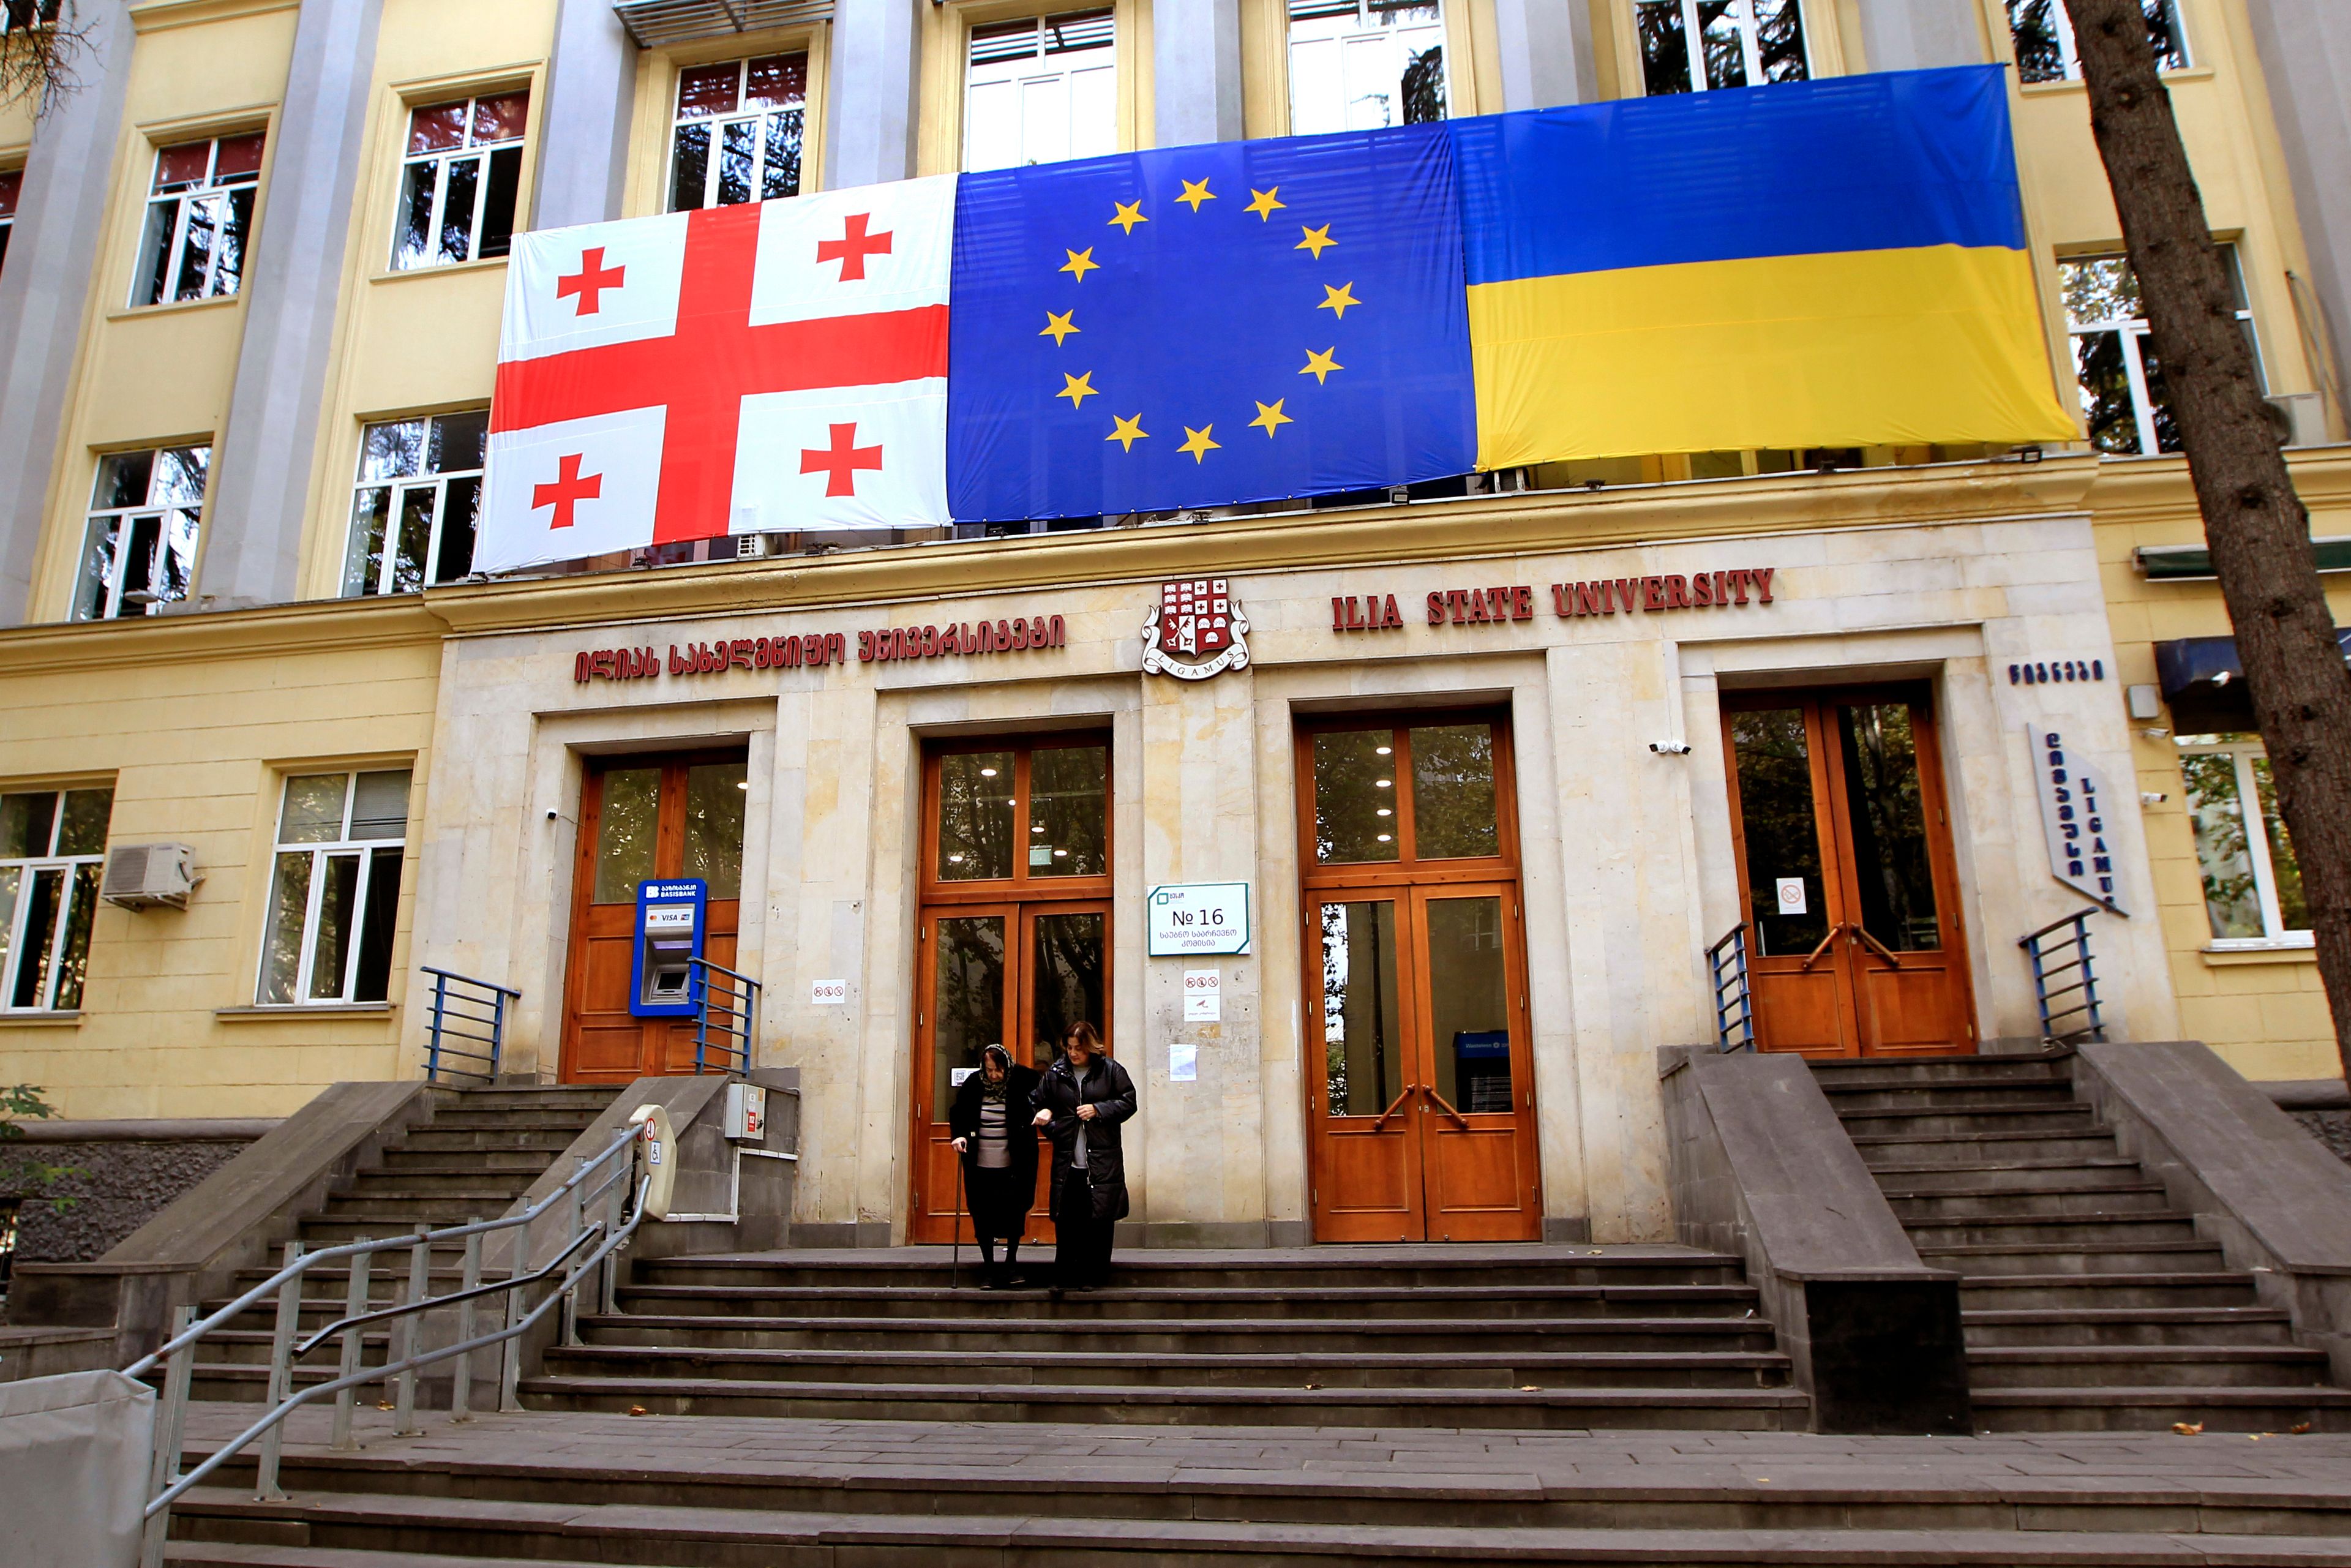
(12, 185)
(141, 547)
(1041, 89)
(336, 889)
(465, 164)
(1360, 65)
(18, 15)
(2252, 883)
(1742, 43)
(751, 111)
(199, 213)
(420, 490)
(2123, 398)
(52, 849)
(2044, 37)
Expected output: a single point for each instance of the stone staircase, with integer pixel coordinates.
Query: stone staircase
(2089, 1302)
(1528, 1337)
(482, 1150)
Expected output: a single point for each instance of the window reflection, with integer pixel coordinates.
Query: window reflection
(1361, 1024)
(627, 824)
(1469, 998)
(1452, 791)
(1888, 823)
(714, 793)
(974, 815)
(1355, 795)
(1773, 757)
(967, 999)
(1069, 810)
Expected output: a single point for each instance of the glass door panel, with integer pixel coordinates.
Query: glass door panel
(1367, 1156)
(1363, 1062)
(1772, 755)
(1895, 882)
(1478, 1151)
(1068, 955)
(627, 827)
(1468, 1003)
(968, 999)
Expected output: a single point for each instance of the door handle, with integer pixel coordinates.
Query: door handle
(1875, 946)
(1395, 1108)
(1816, 955)
(1433, 1098)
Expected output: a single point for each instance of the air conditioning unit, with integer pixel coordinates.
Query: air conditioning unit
(138, 876)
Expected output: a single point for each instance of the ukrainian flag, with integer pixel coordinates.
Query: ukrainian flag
(1839, 262)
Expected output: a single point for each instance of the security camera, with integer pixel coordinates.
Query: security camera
(1670, 747)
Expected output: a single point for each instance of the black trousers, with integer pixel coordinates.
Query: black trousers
(1081, 1242)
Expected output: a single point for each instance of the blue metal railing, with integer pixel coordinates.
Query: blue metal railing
(1734, 1012)
(463, 1009)
(2065, 983)
(726, 1006)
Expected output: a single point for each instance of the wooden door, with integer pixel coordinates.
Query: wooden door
(1842, 835)
(1422, 1108)
(1012, 936)
(645, 819)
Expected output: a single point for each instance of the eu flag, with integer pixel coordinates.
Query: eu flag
(1206, 326)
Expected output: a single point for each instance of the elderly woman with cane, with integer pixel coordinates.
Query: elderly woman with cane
(999, 1149)
(1079, 1103)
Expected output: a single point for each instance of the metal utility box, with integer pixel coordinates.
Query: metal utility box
(747, 1113)
(672, 918)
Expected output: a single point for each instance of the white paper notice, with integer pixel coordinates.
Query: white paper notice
(1204, 996)
(1791, 896)
(956, 1075)
(1183, 1062)
(829, 993)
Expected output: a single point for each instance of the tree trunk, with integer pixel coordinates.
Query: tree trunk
(2254, 523)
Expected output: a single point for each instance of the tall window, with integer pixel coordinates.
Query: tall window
(465, 164)
(1041, 89)
(52, 848)
(2252, 883)
(2123, 398)
(2043, 35)
(335, 892)
(140, 549)
(1360, 65)
(16, 15)
(420, 491)
(199, 213)
(12, 185)
(1689, 46)
(737, 134)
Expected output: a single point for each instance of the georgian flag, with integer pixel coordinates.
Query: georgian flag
(749, 369)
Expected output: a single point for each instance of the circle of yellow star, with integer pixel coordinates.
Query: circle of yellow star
(1270, 417)
(1080, 262)
(1077, 389)
(1316, 240)
(1197, 443)
(1320, 366)
(1263, 205)
(1196, 191)
(1336, 300)
(1129, 213)
(1126, 432)
(1058, 327)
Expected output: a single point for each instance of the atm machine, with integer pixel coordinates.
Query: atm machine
(671, 918)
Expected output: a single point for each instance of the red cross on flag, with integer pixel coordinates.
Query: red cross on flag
(749, 370)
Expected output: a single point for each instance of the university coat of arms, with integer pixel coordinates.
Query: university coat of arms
(1196, 630)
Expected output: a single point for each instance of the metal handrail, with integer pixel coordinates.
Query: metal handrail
(1734, 1010)
(609, 1232)
(2071, 955)
(733, 1000)
(483, 993)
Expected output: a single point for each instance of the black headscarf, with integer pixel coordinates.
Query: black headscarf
(994, 1089)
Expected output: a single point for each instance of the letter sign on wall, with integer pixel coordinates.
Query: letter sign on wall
(2074, 812)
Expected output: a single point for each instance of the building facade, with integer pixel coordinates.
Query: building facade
(1494, 768)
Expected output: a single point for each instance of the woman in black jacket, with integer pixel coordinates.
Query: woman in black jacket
(1000, 1156)
(1079, 1103)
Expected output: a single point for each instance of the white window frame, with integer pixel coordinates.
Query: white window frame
(2069, 61)
(319, 853)
(2133, 330)
(8, 218)
(20, 910)
(122, 522)
(398, 488)
(2274, 934)
(680, 122)
(1367, 21)
(216, 200)
(1038, 68)
(485, 153)
(1751, 51)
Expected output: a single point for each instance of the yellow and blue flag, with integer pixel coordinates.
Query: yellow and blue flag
(1207, 326)
(1835, 262)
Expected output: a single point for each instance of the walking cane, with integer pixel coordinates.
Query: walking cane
(954, 1268)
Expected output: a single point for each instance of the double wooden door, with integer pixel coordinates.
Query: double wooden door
(643, 818)
(1422, 1092)
(1845, 873)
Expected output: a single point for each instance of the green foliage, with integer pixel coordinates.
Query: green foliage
(19, 1101)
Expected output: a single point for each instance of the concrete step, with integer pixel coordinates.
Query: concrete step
(1286, 1272)
(552, 1097)
(1956, 1117)
(1346, 1304)
(2118, 1290)
(2019, 1175)
(2145, 1366)
(1850, 1097)
(2052, 1197)
(2051, 1067)
(474, 1203)
(530, 1119)
(2073, 1256)
(1152, 1336)
(1921, 1148)
(2114, 1408)
(474, 1163)
(543, 1139)
(322, 1230)
(2127, 1326)
(2124, 1230)
(1651, 1408)
(1176, 1375)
